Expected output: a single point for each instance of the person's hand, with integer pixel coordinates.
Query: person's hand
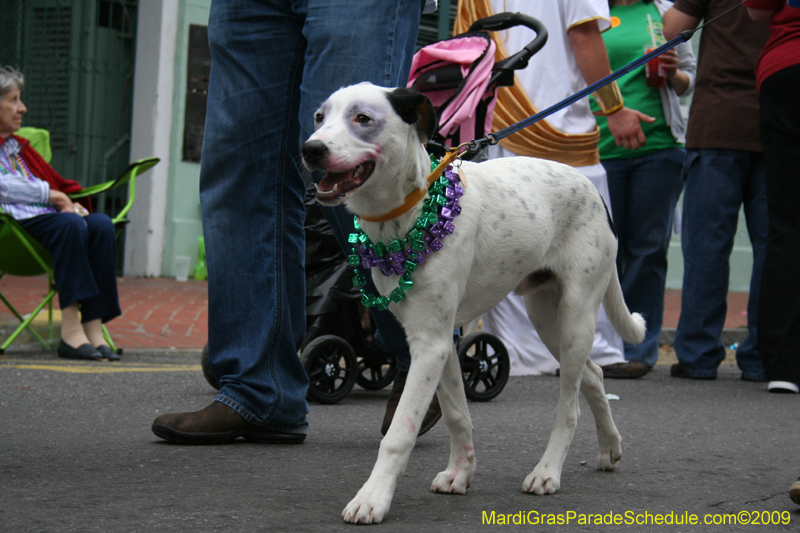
(669, 62)
(624, 126)
(62, 202)
(676, 78)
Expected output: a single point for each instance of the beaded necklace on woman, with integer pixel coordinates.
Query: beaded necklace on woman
(402, 257)
(14, 164)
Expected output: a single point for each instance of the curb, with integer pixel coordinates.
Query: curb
(729, 337)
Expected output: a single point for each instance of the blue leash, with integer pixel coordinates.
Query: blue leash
(493, 138)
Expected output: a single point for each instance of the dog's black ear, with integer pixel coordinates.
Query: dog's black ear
(415, 108)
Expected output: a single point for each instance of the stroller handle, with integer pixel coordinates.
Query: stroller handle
(518, 61)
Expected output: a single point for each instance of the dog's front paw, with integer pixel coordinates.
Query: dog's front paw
(458, 476)
(366, 508)
(542, 482)
(453, 481)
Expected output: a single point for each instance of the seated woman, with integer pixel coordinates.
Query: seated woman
(82, 245)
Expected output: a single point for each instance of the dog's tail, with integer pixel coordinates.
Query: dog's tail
(630, 326)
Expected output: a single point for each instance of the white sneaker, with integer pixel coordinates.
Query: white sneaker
(783, 386)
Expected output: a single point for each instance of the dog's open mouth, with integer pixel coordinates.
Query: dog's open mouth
(335, 185)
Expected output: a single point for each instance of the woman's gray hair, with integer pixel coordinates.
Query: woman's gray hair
(9, 78)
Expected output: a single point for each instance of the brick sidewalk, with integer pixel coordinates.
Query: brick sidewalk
(156, 312)
(163, 313)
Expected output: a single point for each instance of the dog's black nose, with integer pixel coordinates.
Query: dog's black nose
(314, 152)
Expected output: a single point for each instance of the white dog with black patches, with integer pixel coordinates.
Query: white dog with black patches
(526, 225)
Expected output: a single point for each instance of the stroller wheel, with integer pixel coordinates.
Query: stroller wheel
(209, 375)
(331, 367)
(375, 373)
(484, 366)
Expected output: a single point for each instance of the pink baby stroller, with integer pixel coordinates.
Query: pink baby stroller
(460, 77)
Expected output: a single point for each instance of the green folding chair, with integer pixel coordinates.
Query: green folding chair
(21, 255)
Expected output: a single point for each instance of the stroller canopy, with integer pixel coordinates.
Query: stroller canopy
(456, 75)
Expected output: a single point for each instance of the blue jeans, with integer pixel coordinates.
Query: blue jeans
(273, 63)
(643, 192)
(718, 183)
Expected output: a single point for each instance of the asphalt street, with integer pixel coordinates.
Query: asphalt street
(77, 454)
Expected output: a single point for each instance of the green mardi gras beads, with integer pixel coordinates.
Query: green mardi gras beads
(397, 295)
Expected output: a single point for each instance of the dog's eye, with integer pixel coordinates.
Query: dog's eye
(363, 119)
(318, 117)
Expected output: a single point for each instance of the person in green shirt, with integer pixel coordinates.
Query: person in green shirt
(645, 180)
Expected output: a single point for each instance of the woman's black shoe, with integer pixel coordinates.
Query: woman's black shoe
(108, 353)
(85, 352)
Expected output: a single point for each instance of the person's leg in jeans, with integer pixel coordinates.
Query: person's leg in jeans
(644, 191)
(712, 197)
(252, 207)
(779, 334)
(754, 187)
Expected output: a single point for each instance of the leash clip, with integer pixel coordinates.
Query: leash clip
(458, 161)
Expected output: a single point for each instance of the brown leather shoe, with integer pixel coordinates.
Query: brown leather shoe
(794, 492)
(627, 370)
(431, 417)
(217, 424)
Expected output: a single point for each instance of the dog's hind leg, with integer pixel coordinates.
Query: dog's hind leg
(458, 476)
(608, 437)
(575, 324)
